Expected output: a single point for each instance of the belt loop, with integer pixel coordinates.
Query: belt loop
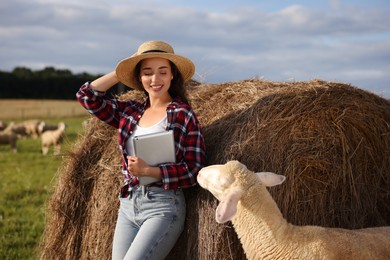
(145, 191)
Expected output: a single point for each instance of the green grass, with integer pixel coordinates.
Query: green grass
(26, 180)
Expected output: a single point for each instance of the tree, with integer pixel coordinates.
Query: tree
(22, 72)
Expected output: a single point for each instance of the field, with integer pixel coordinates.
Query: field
(42, 109)
(27, 177)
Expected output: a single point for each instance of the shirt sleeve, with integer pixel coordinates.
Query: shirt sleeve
(98, 104)
(191, 156)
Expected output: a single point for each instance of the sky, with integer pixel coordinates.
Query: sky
(334, 40)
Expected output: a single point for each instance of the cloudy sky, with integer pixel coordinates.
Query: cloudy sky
(336, 40)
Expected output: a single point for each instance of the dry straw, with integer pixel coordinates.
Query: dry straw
(331, 140)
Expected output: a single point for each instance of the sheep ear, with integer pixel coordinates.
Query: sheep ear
(270, 179)
(227, 208)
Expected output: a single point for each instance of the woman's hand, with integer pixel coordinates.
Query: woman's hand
(137, 166)
(105, 82)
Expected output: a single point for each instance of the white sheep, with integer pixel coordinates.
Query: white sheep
(265, 234)
(53, 138)
(31, 127)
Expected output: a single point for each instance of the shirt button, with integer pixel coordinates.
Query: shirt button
(139, 116)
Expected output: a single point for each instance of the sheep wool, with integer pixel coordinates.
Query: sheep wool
(53, 138)
(265, 234)
(31, 128)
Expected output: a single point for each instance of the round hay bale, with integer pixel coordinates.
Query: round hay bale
(331, 140)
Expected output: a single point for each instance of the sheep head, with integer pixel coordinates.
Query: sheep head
(62, 126)
(229, 182)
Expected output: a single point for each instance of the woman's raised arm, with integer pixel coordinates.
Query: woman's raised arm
(105, 82)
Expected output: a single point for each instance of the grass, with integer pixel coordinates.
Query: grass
(26, 180)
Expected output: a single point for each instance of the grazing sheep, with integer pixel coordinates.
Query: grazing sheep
(53, 138)
(9, 138)
(263, 231)
(31, 128)
(19, 130)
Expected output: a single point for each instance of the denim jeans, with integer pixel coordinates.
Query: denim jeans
(149, 223)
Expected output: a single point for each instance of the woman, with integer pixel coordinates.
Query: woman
(151, 217)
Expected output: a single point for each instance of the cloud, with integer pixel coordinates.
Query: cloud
(344, 43)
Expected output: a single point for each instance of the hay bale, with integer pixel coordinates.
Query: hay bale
(79, 206)
(331, 140)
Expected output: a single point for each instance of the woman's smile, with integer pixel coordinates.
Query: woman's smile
(156, 87)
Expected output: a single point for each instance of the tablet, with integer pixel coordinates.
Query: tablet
(154, 149)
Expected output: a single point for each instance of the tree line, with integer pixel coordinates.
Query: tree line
(48, 83)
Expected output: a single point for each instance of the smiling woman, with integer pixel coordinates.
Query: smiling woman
(148, 223)
(328, 138)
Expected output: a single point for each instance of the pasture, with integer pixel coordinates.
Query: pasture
(27, 177)
(20, 109)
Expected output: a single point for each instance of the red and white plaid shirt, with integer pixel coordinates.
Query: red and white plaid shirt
(124, 115)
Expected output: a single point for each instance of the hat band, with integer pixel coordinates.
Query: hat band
(153, 51)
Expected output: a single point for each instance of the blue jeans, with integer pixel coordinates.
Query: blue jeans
(149, 223)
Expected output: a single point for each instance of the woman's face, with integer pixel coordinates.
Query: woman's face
(156, 76)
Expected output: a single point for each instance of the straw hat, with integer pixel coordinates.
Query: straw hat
(125, 69)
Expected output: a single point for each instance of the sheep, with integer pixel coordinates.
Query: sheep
(53, 137)
(19, 130)
(31, 128)
(263, 231)
(9, 138)
(43, 127)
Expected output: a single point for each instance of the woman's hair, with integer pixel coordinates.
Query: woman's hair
(177, 88)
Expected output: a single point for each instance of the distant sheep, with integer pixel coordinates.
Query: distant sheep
(31, 127)
(53, 138)
(263, 231)
(19, 130)
(43, 127)
(9, 138)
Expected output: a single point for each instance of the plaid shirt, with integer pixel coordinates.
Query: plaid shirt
(124, 115)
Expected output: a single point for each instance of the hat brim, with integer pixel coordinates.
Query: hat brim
(125, 68)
